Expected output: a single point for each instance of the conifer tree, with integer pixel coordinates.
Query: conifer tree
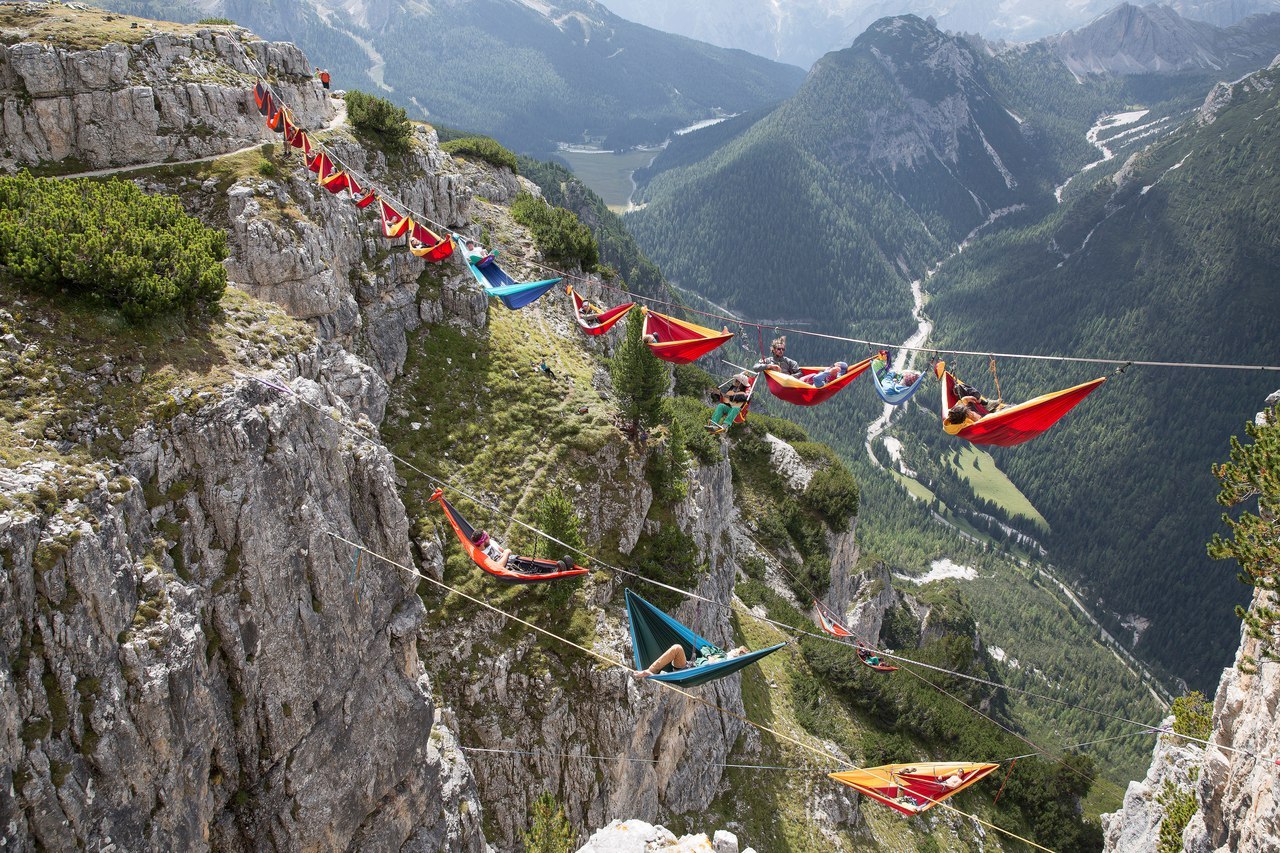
(639, 379)
(556, 518)
(549, 831)
(1254, 472)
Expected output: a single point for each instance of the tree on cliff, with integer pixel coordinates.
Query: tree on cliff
(550, 831)
(639, 379)
(1254, 472)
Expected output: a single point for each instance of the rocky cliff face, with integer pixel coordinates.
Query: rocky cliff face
(150, 96)
(1233, 777)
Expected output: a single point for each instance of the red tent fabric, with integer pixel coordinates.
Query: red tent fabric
(605, 319)
(1019, 423)
(801, 393)
(680, 342)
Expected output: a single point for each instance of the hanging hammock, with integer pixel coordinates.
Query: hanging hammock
(335, 181)
(394, 223)
(1019, 423)
(914, 788)
(680, 342)
(653, 632)
(262, 97)
(276, 118)
(604, 319)
(794, 390)
(835, 629)
(426, 244)
(891, 391)
(298, 139)
(518, 569)
(746, 407)
(495, 282)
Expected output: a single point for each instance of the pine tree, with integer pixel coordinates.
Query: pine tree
(1254, 472)
(550, 831)
(639, 379)
(556, 518)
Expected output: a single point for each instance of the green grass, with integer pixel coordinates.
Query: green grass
(917, 489)
(609, 175)
(990, 483)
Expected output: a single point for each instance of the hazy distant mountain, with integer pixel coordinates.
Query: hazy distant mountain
(528, 73)
(800, 31)
(1137, 40)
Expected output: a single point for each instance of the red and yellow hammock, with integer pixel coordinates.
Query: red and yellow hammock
(835, 629)
(795, 390)
(605, 319)
(425, 243)
(680, 342)
(914, 788)
(1019, 423)
(518, 569)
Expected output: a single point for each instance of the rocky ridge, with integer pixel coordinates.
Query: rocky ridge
(1232, 776)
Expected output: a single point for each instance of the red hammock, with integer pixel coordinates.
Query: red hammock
(677, 341)
(333, 181)
(605, 319)
(394, 223)
(518, 569)
(262, 97)
(793, 390)
(425, 244)
(1019, 423)
(835, 629)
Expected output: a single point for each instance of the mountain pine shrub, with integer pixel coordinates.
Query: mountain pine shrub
(380, 118)
(639, 379)
(1193, 716)
(482, 148)
(111, 244)
(1254, 472)
(561, 236)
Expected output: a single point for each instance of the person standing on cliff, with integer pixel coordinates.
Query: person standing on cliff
(324, 77)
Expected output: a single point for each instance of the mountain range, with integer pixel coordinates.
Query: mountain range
(800, 31)
(529, 74)
(912, 142)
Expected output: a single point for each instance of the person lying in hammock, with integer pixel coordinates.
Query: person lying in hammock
(732, 399)
(895, 380)
(491, 549)
(822, 377)
(777, 359)
(676, 658)
(966, 410)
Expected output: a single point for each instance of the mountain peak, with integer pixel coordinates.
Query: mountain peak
(1133, 39)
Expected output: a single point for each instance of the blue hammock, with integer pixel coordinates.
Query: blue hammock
(653, 632)
(892, 392)
(496, 282)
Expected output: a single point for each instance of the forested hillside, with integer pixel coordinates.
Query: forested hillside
(1174, 261)
(530, 77)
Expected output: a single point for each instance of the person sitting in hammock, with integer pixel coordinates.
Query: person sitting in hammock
(966, 410)
(590, 313)
(777, 359)
(732, 399)
(477, 255)
(822, 377)
(678, 659)
(491, 549)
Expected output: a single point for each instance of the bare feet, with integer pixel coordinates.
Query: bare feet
(641, 674)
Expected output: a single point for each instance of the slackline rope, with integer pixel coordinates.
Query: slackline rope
(581, 756)
(725, 318)
(708, 703)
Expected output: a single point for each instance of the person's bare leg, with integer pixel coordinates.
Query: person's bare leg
(674, 655)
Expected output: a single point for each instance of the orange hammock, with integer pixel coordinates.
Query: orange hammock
(604, 319)
(835, 629)
(426, 244)
(677, 341)
(1015, 424)
(518, 569)
(914, 788)
(794, 390)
